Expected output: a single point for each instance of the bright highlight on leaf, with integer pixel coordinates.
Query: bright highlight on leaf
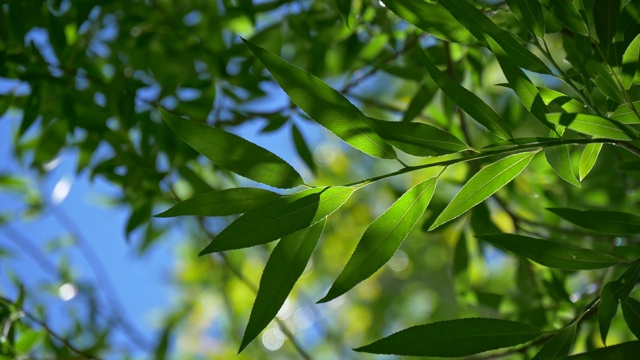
(222, 202)
(594, 125)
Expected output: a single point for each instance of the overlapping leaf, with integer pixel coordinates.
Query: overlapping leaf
(567, 13)
(529, 13)
(627, 350)
(594, 125)
(608, 222)
(558, 346)
(631, 313)
(559, 157)
(627, 113)
(234, 153)
(222, 202)
(608, 307)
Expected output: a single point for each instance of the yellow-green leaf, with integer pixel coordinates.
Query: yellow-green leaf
(594, 125)
(588, 159)
(559, 158)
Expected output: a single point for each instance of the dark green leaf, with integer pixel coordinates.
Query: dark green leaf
(559, 158)
(302, 148)
(324, 104)
(529, 13)
(628, 279)
(627, 113)
(419, 101)
(31, 111)
(383, 237)
(594, 125)
(344, 6)
(454, 338)
(606, 14)
(551, 254)
(608, 222)
(604, 81)
(468, 101)
(484, 184)
(418, 139)
(629, 166)
(285, 265)
(222, 202)
(280, 218)
(588, 159)
(567, 13)
(559, 345)
(631, 312)
(234, 153)
(608, 307)
(627, 350)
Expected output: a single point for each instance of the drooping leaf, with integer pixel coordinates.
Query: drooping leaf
(588, 159)
(630, 63)
(604, 221)
(484, 184)
(418, 139)
(454, 338)
(626, 114)
(608, 307)
(383, 237)
(483, 28)
(567, 13)
(468, 101)
(222, 202)
(234, 153)
(285, 265)
(529, 13)
(344, 6)
(302, 148)
(559, 158)
(627, 350)
(594, 125)
(558, 346)
(324, 104)
(551, 254)
(631, 313)
(280, 218)
(431, 18)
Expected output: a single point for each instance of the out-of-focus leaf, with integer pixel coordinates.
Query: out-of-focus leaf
(468, 101)
(31, 111)
(454, 338)
(529, 13)
(630, 63)
(608, 307)
(419, 101)
(629, 166)
(567, 13)
(284, 267)
(280, 218)
(141, 214)
(628, 279)
(627, 350)
(431, 18)
(383, 237)
(27, 341)
(588, 159)
(631, 313)
(625, 113)
(551, 254)
(418, 139)
(324, 104)
(222, 202)
(460, 256)
(559, 345)
(608, 222)
(594, 125)
(344, 6)
(302, 148)
(559, 158)
(484, 184)
(234, 153)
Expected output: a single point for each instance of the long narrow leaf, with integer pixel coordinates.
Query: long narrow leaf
(529, 13)
(567, 13)
(608, 222)
(608, 307)
(222, 203)
(627, 350)
(631, 313)
(559, 158)
(631, 63)
(627, 113)
(594, 125)
(588, 159)
(558, 346)
(344, 6)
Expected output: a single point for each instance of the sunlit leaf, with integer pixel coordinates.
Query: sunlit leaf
(627, 350)
(484, 184)
(324, 104)
(285, 265)
(222, 202)
(588, 159)
(627, 113)
(594, 125)
(608, 307)
(280, 218)
(558, 346)
(234, 153)
(559, 158)
(630, 63)
(631, 313)
(604, 221)
(551, 254)
(468, 101)
(566, 102)
(454, 338)
(383, 237)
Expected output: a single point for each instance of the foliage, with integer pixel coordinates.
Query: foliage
(438, 115)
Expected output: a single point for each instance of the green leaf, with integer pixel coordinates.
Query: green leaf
(631, 63)
(344, 6)
(629, 166)
(551, 254)
(627, 350)
(483, 28)
(594, 125)
(432, 18)
(454, 338)
(608, 307)
(567, 13)
(559, 158)
(588, 159)
(285, 265)
(234, 153)
(608, 222)
(419, 101)
(605, 15)
(27, 341)
(324, 105)
(280, 218)
(484, 184)
(559, 345)
(468, 101)
(383, 237)
(418, 139)
(604, 81)
(631, 313)
(302, 148)
(626, 114)
(628, 279)
(222, 202)
(529, 13)
(566, 102)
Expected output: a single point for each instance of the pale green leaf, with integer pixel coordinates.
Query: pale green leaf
(631, 313)
(627, 350)
(484, 184)
(383, 237)
(234, 153)
(608, 222)
(551, 254)
(280, 218)
(627, 113)
(222, 202)
(285, 265)
(324, 104)
(588, 159)
(454, 338)
(566, 102)
(559, 345)
(594, 125)
(559, 158)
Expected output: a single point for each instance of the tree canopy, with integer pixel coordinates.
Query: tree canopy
(349, 178)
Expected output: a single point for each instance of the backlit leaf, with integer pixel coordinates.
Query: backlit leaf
(626, 114)
(551, 254)
(608, 222)
(631, 312)
(484, 184)
(454, 338)
(588, 159)
(594, 125)
(280, 218)
(558, 346)
(285, 265)
(631, 63)
(559, 158)
(234, 153)
(567, 103)
(324, 104)
(627, 350)
(383, 237)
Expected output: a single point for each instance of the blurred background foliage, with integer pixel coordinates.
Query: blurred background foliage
(84, 78)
